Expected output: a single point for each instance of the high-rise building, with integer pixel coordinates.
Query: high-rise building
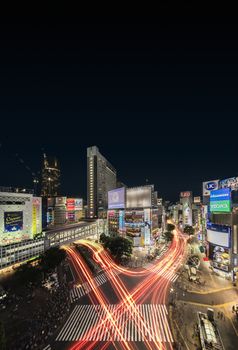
(50, 177)
(101, 178)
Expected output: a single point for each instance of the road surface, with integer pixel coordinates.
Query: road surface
(121, 308)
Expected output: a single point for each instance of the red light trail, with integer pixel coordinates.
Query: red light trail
(155, 287)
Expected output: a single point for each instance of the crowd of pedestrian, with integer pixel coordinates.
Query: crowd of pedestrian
(43, 321)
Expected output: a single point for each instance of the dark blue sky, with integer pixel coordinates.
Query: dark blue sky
(158, 97)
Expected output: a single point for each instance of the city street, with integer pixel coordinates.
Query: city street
(189, 298)
(121, 308)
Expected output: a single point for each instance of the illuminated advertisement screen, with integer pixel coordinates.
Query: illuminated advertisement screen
(231, 183)
(60, 200)
(197, 199)
(13, 221)
(220, 257)
(78, 203)
(121, 221)
(218, 234)
(138, 197)
(71, 216)
(185, 194)
(209, 186)
(70, 204)
(147, 228)
(220, 200)
(116, 198)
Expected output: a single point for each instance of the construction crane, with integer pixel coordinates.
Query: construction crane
(35, 176)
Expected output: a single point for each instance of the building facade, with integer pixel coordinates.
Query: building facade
(20, 217)
(50, 177)
(132, 213)
(101, 178)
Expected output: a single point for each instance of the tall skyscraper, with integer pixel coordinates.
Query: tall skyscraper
(50, 177)
(101, 178)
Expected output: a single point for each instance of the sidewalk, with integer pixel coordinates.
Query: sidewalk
(188, 298)
(140, 255)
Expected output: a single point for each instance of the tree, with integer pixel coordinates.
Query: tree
(52, 258)
(168, 236)
(189, 230)
(3, 345)
(104, 240)
(170, 227)
(118, 246)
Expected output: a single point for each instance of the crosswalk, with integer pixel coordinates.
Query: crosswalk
(169, 275)
(48, 347)
(85, 288)
(142, 322)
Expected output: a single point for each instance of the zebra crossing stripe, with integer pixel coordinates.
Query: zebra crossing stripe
(78, 292)
(48, 347)
(143, 322)
(174, 278)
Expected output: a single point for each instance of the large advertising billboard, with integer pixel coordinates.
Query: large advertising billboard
(60, 200)
(36, 215)
(147, 228)
(74, 204)
(13, 221)
(231, 183)
(220, 257)
(209, 186)
(116, 198)
(78, 203)
(219, 234)
(220, 200)
(187, 213)
(70, 204)
(197, 199)
(121, 221)
(185, 194)
(139, 197)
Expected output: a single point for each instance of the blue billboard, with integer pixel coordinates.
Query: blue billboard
(13, 221)
(116, 198)
(220, 200)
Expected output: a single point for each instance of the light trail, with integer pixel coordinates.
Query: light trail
(156, 285)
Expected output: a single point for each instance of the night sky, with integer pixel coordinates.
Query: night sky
(157, 96)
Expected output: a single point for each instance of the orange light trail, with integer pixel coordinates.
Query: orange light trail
(155, 285)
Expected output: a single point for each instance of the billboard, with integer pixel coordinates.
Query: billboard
(209, 186)
(121, 221)
(78, 203)
(185, 194)
(231, 183)
(220, 257)
(197, 199)
(74, 204)
(60, 200)
(187, 213)
(36, 215)
(70, 204)
(13, 221)
(147, 228)
(71, 216)
(116, 198)
(220, 200)
(219, 235)
(139, 197)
